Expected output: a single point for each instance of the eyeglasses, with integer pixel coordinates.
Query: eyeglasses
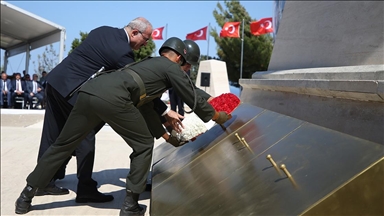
(146, 39)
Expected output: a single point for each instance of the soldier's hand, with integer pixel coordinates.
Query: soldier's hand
(175, 142)
(221, 117)
(173, 118)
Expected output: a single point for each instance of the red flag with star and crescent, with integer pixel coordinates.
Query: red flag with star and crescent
(263, 26)
(230, 29)
(200, 34)
(157, 34)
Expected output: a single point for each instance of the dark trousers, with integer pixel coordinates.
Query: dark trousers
(5, 96)
(57, 111)
(13, 98)
(176, 102)
(89, 112)
(39, 97)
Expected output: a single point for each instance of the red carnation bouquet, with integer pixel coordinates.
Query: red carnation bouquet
(226, 102)
(194, 126)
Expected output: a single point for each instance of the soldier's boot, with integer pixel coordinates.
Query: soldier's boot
(131, 206)
(23, 203)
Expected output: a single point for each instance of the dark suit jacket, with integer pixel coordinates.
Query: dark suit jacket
(23, 86)
(8, 83)
(29, 85)
(104, 46)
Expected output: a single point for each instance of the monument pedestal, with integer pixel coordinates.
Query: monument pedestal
(212, 77)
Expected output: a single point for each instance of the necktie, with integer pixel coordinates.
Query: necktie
(17, 85)
(4, 85)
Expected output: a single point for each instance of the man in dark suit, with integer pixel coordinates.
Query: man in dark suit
(19, 89)
(106, 47)
(5, 86)
(43, 80)
(117, 103)
(35, 89)
(176, 103)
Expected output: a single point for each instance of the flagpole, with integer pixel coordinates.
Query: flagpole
(209, 26)
(166, 31)
(242, 46)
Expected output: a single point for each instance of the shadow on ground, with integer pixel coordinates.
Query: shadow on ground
(114, 177)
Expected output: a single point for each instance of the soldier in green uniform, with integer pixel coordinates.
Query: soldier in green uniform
(192, 58)
(114, 98)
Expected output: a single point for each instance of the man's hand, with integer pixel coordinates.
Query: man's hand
(175, 142)
(173, 118)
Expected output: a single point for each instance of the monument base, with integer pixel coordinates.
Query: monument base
(346, 99)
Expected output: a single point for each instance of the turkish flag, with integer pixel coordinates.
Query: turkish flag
(157, 34)
(263, 26)
(230, 29)
(200, 34)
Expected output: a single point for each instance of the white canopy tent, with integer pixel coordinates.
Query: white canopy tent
(22, 31)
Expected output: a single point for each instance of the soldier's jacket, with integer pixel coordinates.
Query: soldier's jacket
(158, 75)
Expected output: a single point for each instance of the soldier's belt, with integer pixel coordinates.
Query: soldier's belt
(144, 98)
(139, 82)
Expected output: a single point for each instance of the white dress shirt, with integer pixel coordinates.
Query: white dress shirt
(18, 86)
(34, 90)
(5, 87)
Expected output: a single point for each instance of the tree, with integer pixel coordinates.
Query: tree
(76, 42)
(257, 49)
(143, 52)
(46, 61)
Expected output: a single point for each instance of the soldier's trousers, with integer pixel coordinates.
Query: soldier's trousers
(88, 112)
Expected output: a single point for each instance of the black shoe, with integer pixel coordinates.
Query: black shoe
(23, 203)
(131, 206)
(95, 197)
(52, 189)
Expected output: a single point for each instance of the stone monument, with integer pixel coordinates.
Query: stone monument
(327, 67)
(212, 77)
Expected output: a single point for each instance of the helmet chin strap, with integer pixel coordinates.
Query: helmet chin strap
(180, 61)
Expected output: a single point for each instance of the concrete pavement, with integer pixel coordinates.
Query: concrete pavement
(20, 137)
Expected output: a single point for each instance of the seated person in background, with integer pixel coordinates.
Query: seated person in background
(43, 80)
(6, 87)
(19, 89)
(26, 78)
(35, 89)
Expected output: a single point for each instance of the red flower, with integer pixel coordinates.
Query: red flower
(226, 102)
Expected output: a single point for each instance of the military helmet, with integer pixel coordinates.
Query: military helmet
(193, 52)
(176, 45)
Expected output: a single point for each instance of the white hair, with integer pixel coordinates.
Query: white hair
(141, 24)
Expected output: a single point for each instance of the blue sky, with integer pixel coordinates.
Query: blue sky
(182, 17)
